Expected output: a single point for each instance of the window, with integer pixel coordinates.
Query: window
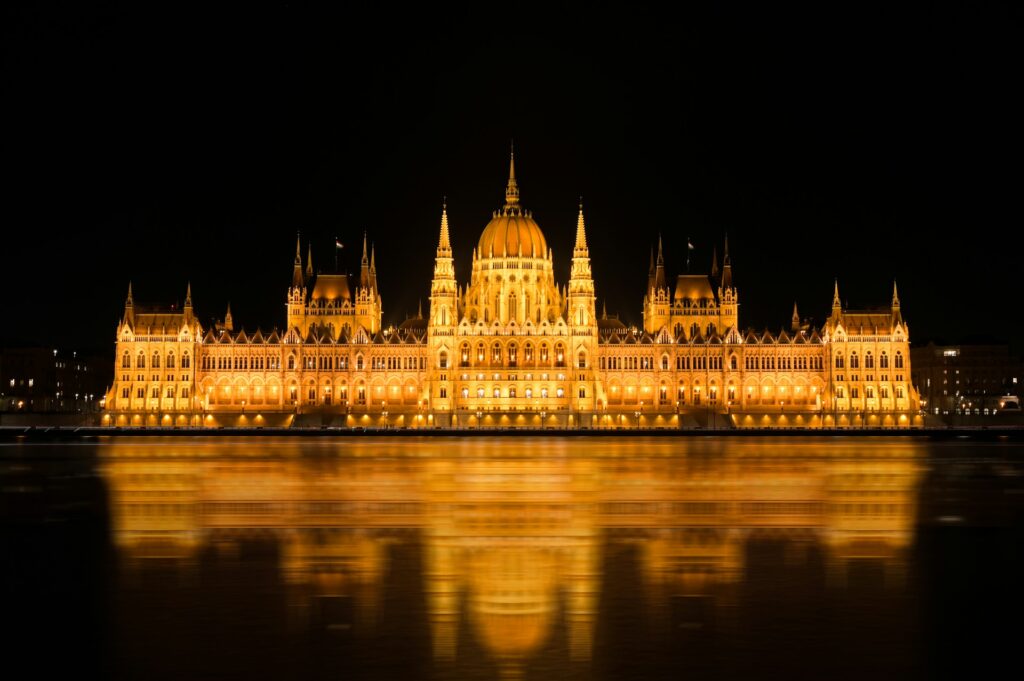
(497, 393)
(291, 362)
(126, 361)
(869, 361)
(443, 393)
(156, 391)
(664, 362)
(443, 360)
(185, 361)
(184, 392)
(529, 393)
(899, 360)
(465, 393)
(854, 393)
(141, 362)
(899, 392)
(582, 360)
(732, 362)
(170, 391)
(124, 393)
(359, 362)
(854, 361)
(479, 392)
(560, 392)
(664, 394)
(839, 362)
(140, 393)
(170, 360)
(512, 391)
(544, 393)
(883, 361)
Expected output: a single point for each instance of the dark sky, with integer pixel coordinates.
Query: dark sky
(183, 145)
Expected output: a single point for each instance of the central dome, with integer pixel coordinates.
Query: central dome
(507, 232)
(512, 230)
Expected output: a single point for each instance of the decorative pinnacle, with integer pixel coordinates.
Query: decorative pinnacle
(835, 295)
(512, 190)
(581, 234)
(444, 244)
(895, 295)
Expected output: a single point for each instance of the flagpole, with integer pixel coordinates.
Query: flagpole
(688, 249)
(335, 255)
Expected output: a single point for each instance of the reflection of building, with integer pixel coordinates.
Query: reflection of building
(514, 348)
(513, 546)
(965, 379)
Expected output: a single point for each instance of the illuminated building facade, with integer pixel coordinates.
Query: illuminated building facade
(514, 349)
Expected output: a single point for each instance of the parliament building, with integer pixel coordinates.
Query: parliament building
(513, 349)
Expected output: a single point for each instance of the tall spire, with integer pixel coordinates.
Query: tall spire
(512, 190)
(604, 309)
(714, 261)
(659, 270)
(128, 301)
(297, 279)
(444, 244)
(580, 250)
(796, 318)
(726, 266)
(419, 312)
(364, 269)
(229, 323)
(188, 296)
(895, 296)
(373, 267)
(309, 261)
(836, 304)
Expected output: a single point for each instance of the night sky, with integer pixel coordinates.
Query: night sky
(184, 145)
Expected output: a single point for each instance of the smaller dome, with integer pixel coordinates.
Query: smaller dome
(509, 231)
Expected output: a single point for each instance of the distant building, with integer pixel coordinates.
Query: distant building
(966, 379)
(52, 380)
(514, 348)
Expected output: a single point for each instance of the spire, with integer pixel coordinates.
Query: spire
(444, 244)
(659, 272)
(796, 318)
(309, 261)
(128, 301)
(726, 266)
(188, 296)
(714, 261)
(580, 249)
(895, 296)
(419, 312)
(364, 270)
(836, 304)
(512, 190)
(297, 280)
(228, 321)
(604, 309)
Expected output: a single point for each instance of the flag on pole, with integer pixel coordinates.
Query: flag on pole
(338, 244)
(689, 245)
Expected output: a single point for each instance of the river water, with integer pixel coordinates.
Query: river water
(512, 558)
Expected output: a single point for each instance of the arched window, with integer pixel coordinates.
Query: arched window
(528, 352)
(126, 360)
(883, 361)
(479, 392)
(480, 353)
(465, 393)
(544, 353)
(291, 362)
(854, 361)
(869, 361)
(732, 362)
(559, 355)
(513, 354)
(664, 362)
(170, 360)
(529, 393)
(839, 361)
(464, 354)
(560, 392)
(359, 362)
(186, 361)
(544, 393)
(582, 360)
(496, 353)
(442, 360)
(156, 360)
(497, 392)
(899, 360)
(512, 391)
(140, 363)
(663, 393)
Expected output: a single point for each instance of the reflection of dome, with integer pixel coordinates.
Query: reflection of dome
(508, 232)
(512, 230)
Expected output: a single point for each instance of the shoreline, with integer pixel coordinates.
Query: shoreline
(55, 433)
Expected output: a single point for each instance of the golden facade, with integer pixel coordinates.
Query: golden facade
(514, 349)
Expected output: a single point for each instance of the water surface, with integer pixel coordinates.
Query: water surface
(485, 558)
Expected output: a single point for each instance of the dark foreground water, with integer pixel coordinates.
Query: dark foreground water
(512, 558)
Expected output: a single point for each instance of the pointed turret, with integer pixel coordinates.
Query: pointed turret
(297, 280)
(659, 271)
(364, 268)
(714, 262)
(604, 309)
(444, 245)
(188, 296)
(419, 310)
(726, 266)
(129, 306)
(309, 262)
(580, 250)
(895, 296)
(795, 321)
(128, 302)
(650, 273)
(837, 305)
(512, 190)
(229, 323)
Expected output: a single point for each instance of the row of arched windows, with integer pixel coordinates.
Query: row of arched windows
(496, 355)
(140, 361)
(869, 360)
